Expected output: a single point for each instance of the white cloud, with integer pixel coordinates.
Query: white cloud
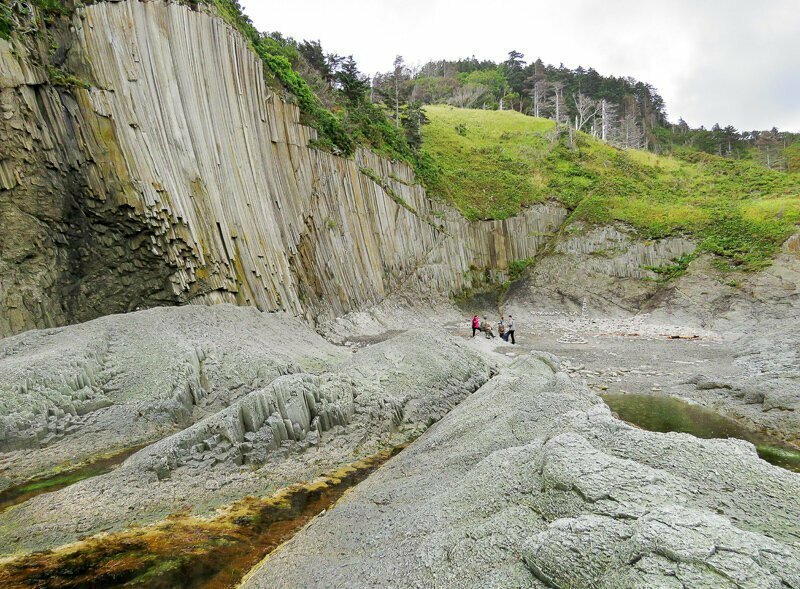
(728, 61)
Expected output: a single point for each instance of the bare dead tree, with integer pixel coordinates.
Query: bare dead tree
(502, 95)
(586, 110)
(399, 71)
(557, 102)
(608, 120)
(769, 146)
(468, 96)
(538, 93)
(629, 135)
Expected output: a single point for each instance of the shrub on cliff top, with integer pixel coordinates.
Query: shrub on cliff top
(356, 121)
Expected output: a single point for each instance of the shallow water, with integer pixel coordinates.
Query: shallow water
(188, 552)
(668, 414)
(21, 493)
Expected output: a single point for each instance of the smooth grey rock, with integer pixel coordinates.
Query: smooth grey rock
(150, 373)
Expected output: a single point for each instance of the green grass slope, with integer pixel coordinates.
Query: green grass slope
(491, 164)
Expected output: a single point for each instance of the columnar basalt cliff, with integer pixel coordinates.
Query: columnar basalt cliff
(177, 175)
(147, 161)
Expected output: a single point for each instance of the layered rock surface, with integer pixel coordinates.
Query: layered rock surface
(254, 429)
(71, 394)
(607, 268)
(532, 483)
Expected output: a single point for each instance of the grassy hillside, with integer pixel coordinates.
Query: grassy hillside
(491, 164)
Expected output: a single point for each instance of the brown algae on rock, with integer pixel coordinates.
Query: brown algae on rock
(186, 551)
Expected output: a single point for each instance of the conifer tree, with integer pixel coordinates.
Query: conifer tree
(352, 83)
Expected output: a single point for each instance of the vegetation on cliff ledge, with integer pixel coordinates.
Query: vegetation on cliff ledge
(330, 91)
(13, 13)
(334, 101)
(491, 164)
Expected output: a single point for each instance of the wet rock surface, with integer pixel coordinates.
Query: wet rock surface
(716, 372)
(532, 483)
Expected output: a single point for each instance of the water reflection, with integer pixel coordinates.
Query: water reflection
(667, 414)
(21, 493)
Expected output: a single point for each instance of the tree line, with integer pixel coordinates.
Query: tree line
(385, 111)
(622, 111)
(777, 150)
(619, 110)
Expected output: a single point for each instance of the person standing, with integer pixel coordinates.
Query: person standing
(486, 328)
(476, 325)
(510, 330)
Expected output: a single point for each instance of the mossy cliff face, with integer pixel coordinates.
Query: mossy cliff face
(176, 175)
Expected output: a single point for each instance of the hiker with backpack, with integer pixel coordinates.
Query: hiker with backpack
(486, 328)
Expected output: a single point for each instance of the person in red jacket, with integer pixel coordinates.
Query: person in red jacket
(476, 325)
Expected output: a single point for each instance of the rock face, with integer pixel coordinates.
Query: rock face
(532, 483)
(178, 176)
(607, 267)
(70, 394)
(240, 384)
(734, 302)
(73, 246)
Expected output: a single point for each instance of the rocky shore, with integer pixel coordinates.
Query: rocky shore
(532, 483)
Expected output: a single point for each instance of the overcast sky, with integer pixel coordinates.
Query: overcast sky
(728, 61)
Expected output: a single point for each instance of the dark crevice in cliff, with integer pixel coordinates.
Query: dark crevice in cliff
(68, 254)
